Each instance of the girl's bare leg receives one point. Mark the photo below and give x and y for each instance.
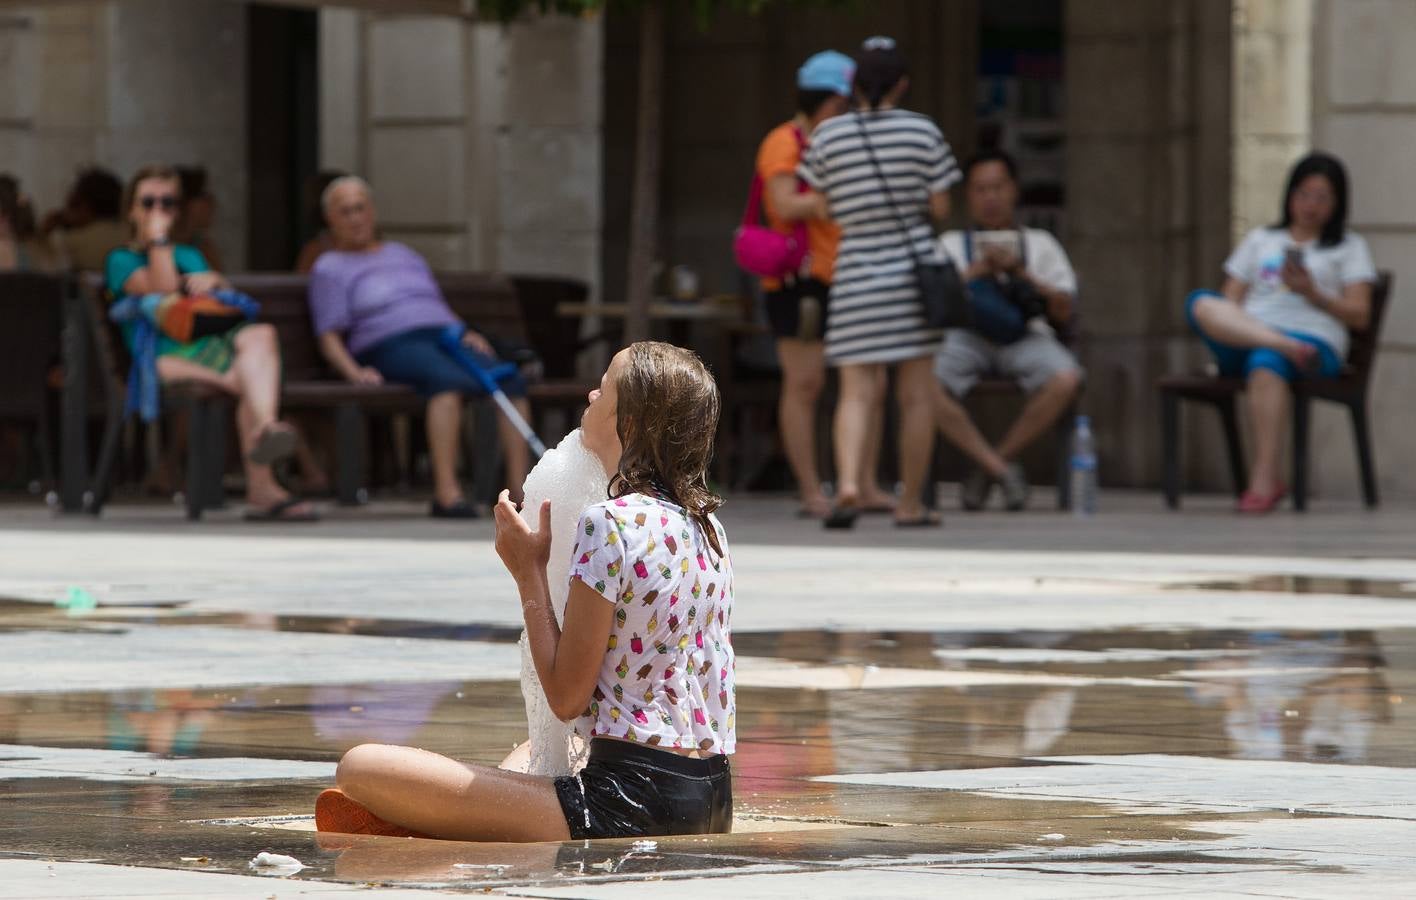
(441, 797)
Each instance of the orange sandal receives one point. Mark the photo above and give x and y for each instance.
(334, 811)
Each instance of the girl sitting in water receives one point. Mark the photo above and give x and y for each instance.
(643, 665)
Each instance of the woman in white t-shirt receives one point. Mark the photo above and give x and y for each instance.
(1292, 292)
(643, 666)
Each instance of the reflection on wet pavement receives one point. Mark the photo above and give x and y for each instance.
(1036, 753)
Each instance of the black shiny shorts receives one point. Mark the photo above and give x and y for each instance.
(629, 790)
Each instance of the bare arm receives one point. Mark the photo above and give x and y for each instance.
(1234, 290)
(567, 660)
(159, 276)
(792, 205)
(939, 207)
(339, 359)
(1353, 307)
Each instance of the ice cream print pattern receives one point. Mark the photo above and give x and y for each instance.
(668, 677)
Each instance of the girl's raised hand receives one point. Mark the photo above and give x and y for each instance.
(524, 552)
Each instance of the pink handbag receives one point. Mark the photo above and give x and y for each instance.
(763, 251)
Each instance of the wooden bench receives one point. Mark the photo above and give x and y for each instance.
(488, 302)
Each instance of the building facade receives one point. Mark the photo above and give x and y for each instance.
(1154, 133)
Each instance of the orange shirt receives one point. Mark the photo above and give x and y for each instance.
(779, 155)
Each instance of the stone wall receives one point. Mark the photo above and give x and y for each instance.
(482, 141)
(123, 84)
(1364, 110)
(1148, 91)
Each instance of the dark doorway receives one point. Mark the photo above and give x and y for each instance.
(282, 127)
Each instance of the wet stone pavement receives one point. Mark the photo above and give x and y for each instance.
(916, 719)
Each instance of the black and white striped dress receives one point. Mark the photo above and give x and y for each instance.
(875, 314)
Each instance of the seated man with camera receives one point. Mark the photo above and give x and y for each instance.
(1022, 290)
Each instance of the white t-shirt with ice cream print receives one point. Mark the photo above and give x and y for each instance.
(1258, 262)
(668, 678)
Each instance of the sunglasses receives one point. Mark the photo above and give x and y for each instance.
(167, 202)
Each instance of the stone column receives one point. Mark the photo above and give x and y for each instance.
(1147, 203)
(1364, 111)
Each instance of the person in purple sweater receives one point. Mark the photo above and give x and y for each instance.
(378, 313)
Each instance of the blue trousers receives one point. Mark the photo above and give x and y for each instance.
(417, 358)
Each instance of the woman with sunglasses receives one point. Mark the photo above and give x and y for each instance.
(244, 362)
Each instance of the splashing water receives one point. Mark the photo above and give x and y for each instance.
(572, 478)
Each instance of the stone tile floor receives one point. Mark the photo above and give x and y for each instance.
(1023, 706)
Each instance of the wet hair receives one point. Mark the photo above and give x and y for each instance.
(667, 420)
(1331, 168)
(991, 155)
(100, 191)
(158, 171)
(879, 67)
(810, 101)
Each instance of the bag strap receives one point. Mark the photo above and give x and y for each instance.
(754, 201)
(885, 186)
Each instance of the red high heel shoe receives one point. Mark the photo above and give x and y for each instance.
(1254, 503)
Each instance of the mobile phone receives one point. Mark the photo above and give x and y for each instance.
(1294, 256)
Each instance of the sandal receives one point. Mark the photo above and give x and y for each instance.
(842, 518)
(334, 811)
(460, 509)
(276, 442)
(282, 512)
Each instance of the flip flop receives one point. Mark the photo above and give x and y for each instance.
(459, 510)
(335, 812)
(275, 443)
(928, 520)
(277, 513)
(842, 518)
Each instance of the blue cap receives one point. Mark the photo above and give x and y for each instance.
(827, 71)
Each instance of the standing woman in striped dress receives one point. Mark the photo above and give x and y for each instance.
(884, 173)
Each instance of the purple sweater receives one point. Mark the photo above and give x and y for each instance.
(370, 297)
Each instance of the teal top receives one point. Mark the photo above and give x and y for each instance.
(124, 261)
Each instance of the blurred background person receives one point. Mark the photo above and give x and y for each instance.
(797, 305)
(885, 173)
(195, 223)
(90, 223)
(1292, 292)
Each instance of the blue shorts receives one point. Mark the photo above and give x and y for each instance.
(417, 358)
(1242, 361)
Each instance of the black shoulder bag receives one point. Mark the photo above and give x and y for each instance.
(941, 290)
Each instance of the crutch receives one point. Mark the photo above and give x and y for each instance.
(491, 379)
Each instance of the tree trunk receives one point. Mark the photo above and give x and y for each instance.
(644, 208)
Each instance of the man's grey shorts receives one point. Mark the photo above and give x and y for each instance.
(1031, 361)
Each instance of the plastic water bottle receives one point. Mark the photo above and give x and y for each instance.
(1083, 469)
